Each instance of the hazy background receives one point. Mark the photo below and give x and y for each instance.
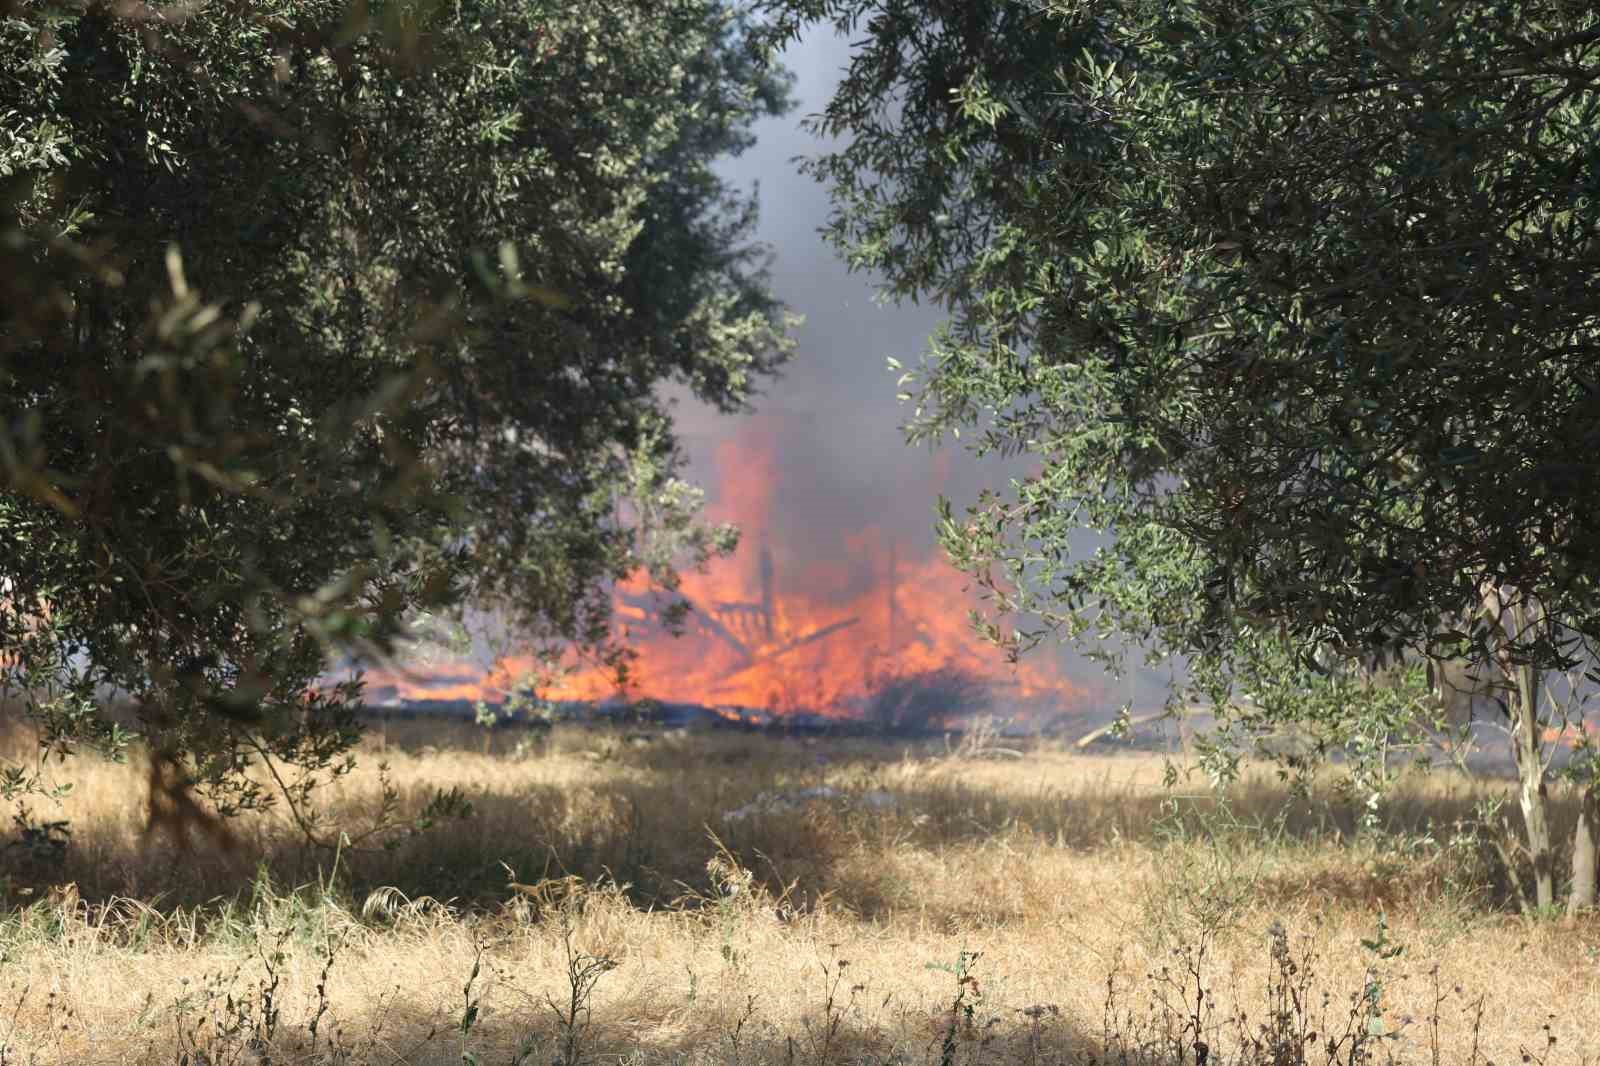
(832, 422)
(836, 511)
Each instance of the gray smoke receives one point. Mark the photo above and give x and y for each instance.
(833, 416)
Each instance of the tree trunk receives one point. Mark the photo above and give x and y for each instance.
(1532, 795)
(1527, 749)
(1586, 853)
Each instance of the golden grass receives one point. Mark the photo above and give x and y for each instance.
(815, 934)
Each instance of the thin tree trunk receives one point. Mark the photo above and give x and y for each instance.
(1532, 796)
(1527, 749)
(1586, 853)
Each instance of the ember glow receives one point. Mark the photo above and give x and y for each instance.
(783, 627)
(1573, 734)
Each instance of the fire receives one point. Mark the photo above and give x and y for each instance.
(772, 629)
(1573, 734)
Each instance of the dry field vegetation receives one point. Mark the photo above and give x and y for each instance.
(600, 905)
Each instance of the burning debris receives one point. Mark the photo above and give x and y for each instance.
(752, 630)
(867, 631)
(930, 700)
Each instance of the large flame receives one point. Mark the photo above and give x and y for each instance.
(775, 628)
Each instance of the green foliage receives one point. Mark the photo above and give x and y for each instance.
(315, 316)
(1297, 302)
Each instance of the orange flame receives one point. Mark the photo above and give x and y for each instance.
(1573, 735)
(770, 629)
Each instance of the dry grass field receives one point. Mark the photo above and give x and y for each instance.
(685, 900)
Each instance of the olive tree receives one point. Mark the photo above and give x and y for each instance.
(1298, 301)
(314, 315)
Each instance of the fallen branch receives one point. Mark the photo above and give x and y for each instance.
(1122, 723)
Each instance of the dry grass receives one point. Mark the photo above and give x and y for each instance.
(601, 906)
